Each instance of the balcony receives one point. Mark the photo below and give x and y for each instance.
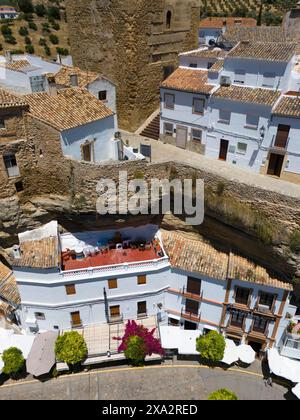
(190, 316)
(264, 310)
(278, 144)
(188, 295)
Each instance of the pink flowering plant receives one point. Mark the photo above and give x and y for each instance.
(140, 342)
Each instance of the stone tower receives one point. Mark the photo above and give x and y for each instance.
(291, 23)
(135, 43)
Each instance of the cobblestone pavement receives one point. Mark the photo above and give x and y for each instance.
(183, 381)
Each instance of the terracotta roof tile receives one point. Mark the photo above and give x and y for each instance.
(42, 253)
(188, 80)
(235, 34)
(217, 66)
(84, 77)
(8, 287)
(246, 94)
(197, 256)
(288, 106)
(9, 100)
(219, 22)
(71, 108)
(16, 65)
(268, 51)
(205, 53)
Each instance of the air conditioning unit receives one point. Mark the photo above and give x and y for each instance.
(263, 308)
(225, 81)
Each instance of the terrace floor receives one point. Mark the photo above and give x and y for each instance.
(112, 257)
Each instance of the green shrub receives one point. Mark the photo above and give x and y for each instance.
(27, 40)
(54, 39)
(223, 395)
(13, 361)
(53, 12)
(32, 26)
(136, 350)
(29, 49)
(10, 39)
(294, 241)
(55, 26)
(6, 30)
(62, 51)
(71, 348)
(211, 346)
(23, 31)
(46, 28)
(25, 6)
(47, 50)
(42, 42)
(221, 188)
(40, 10)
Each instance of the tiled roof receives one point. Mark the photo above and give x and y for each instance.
(242, 269)
(288, 106)
(197, 256)
(9, 100)
(188, 80)
(205, 53)
(235, 34)
(16, 65)
(219, 22)
(84, 77)
(217, 66)
(71, 108)
(249, 95)
(268, 51)
(42, 253)
(8, 287)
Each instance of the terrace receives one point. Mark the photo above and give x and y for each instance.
(109, 250)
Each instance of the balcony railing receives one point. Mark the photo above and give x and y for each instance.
(142, 315)
(275, 144)
(115, 319)
(190, 316)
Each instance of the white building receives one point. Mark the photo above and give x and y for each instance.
(240, 107)
(83, 279)
(8, 12)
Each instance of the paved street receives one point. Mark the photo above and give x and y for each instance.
(184, 381)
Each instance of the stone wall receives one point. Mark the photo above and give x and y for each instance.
(129, 42)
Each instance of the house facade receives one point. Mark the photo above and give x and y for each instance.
(71, 281)
(233, 107)
(8, 12)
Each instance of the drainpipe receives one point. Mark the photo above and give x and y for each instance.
(106, 305)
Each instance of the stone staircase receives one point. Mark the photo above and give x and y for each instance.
(152, 129)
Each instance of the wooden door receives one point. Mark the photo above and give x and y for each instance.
(275, 164)
(282, 136)
(192, 307)
(224, 145)
(194, 286)
(181, 137)
(87, 152)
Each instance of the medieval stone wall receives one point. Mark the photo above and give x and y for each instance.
(129, 42)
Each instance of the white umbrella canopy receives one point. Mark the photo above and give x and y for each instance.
(231, 354)
(296, 391)
(246, 354)
(42, 355)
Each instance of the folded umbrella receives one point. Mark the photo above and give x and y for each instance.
(42, 355)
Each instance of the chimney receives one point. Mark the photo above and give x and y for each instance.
(74, 80)
(52, 86)
(16, 252)
(8, 56)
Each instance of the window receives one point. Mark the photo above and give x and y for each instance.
(37, 84)
(168, 70)
(209, 65)
(75, 319)
(19, 186)
(40, 316)
(269, 80)
(242, 295)
(142, 308)
(260, 325)
(193, 65)
(198, 106)
(11, 165)
(169, 101)
(224, 116)
(266, 299)
(252, 121)
(114, 311)
(169, 19)
(142, 279)
(237, 319)
(196, 135)
(113, 284)
(168, 129)
(102, 95)
(239, 77)
(87, 151)
(70, 289)
(2, 123)
(241, 148)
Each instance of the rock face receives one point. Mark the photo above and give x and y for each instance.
(135, 44)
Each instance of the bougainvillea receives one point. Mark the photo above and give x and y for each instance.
(151, 344)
